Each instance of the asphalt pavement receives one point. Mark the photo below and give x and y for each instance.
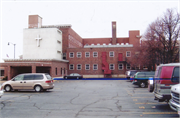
(85, 99)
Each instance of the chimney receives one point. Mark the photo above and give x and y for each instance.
(35, 21)
(114, 33)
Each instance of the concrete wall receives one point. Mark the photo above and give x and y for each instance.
(50, 44)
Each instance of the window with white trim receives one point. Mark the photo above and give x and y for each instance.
(71, 67)
(78, 54)
(111, 54)
(128, 53)
(87, 67)
(128, 66)
(78, 66)
(95, 67)
(87, 54)
(71, 54)
(120, 66)
(137, 67)
(111, 66)
(95, 54)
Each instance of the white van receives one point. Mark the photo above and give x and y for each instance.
(175, 98)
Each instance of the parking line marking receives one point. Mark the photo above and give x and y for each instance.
(150, 103)
(143, 93)
(7, 100)
(134, 99)
(142, 107)
(142, 97)
(159, 113)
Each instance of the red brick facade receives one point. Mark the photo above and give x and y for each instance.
(83, 60)
(116, 50)
(55, 68)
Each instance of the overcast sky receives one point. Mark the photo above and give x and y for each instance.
(90, 19)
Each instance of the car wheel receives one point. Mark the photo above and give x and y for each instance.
(7, 88)
(37, 88)
(142, 84)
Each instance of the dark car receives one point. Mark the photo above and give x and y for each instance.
(73, 76)
(130, 73)
(141, 78)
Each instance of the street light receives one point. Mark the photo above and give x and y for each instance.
(14, 47)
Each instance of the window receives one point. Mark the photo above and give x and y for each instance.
(120, 66)
(64, 55)
(128, 67)
(2, 73)
(141, 75)
(95, 67)
(71, 55)
(19, 78)
(48, 76)
(71, 67)
(95, 54)
(87, 67)
(111, 66)
(38, 77)
(78, 66)
(128, 54)
(137, 67)
(87, 54)
(56, 71)
(78, 54)
(175, 76)
(111, 54)
(28, 77)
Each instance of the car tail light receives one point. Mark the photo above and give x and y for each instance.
(49, 81)
(1, 88)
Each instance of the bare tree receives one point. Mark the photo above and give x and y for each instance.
(161, 41)
(165, 32)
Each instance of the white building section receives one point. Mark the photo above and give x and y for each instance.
(42, 43)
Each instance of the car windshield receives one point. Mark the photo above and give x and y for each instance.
(132, 73)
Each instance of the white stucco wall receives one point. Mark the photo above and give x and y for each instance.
(50, 44)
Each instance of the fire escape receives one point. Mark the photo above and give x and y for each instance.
(105, 65)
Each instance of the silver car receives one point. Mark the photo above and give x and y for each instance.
(29, 81)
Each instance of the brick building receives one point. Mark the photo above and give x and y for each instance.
(59, 50)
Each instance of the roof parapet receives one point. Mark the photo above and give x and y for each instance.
(57, 26)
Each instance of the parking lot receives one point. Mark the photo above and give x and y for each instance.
(85, 99)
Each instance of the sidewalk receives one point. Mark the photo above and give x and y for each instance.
(2, 81)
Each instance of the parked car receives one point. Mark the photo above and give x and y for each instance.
(36, 81)
(130, 73)
(1, 91)
(161, 83)
(174, 102)
(141, 78)
(73, 76)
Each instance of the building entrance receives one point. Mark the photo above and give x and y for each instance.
(43, 70)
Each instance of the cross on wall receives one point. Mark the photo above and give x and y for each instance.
(38, 40)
